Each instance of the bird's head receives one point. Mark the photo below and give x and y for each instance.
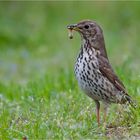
(88, 29)
(91, 32)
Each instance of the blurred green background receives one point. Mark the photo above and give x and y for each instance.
(34, 39)
(39, 95)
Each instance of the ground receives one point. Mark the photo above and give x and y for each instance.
(39, 95)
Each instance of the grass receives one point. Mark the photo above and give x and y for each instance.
(39, 96)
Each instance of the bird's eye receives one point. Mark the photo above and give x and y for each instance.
(86, 26)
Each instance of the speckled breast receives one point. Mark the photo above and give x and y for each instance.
(86, 68)
(91, 81)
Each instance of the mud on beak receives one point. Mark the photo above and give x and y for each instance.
(71, 28)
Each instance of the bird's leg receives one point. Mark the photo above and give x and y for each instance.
(105, 112)
(98, 111)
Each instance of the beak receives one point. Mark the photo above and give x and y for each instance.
(72, 27)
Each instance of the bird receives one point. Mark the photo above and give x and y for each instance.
(93, 70)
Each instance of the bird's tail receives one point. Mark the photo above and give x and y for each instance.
(130, 101)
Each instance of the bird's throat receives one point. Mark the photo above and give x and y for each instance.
(97, 45)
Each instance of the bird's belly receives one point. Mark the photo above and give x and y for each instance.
(89, 85)
(88, 77)
(92, 82)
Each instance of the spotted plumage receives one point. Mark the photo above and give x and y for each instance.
(92, 69)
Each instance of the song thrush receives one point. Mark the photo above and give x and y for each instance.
(92, 69)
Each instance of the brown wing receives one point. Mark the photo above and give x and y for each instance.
(106, 69)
